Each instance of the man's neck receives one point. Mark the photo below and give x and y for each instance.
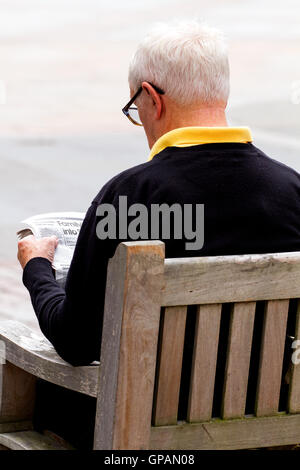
(210, 116)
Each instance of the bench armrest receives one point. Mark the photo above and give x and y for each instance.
(32, 352)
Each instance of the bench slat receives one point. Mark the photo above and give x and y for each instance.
(238, 360)
(170, 365)
(271, 359)
(239, 278)
(204, 362)
(243, 433)
(32, 352)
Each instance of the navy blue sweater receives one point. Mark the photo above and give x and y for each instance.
(252, 205)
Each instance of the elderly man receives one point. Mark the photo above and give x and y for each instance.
(179, 86)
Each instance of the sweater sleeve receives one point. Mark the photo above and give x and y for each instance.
(71, 318)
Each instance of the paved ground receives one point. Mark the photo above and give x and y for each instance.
(64, 65)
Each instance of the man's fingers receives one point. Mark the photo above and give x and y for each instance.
(25, 242)
(30, 247)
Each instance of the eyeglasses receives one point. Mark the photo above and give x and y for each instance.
(131, 111)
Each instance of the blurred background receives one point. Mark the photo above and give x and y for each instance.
(63, 82)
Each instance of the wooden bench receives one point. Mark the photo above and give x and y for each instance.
(149, 300)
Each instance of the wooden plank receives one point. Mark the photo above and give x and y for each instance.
(17, 394)
(16, 426)
(204, 362)
(246, 433)
(239, 278)
(271, 358)
(30, 440)
(294, 388)
(238, 359)
(31, 351)
(129, 346)
(170, 365)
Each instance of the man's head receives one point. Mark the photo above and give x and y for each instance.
(189, 62)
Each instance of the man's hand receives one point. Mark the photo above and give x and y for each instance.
(31, 247)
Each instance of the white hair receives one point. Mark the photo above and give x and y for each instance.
(188, 60)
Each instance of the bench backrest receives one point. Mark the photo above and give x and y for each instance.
(231, 300)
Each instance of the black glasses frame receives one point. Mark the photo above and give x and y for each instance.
(126, 108)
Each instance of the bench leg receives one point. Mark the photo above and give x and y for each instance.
(17, 395)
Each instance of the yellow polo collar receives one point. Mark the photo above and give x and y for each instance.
(189, 136)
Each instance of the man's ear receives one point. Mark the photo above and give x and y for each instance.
(156, 99)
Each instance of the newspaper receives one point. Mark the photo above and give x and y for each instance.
(65, 226)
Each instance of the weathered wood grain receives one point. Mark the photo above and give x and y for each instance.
(170, 365)
(29, 440)
(238, 359)
(33, 353)
(239, 278)
(246, 433)
(204, 362)
(129, 346)
(272, 349)
(17, 394)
